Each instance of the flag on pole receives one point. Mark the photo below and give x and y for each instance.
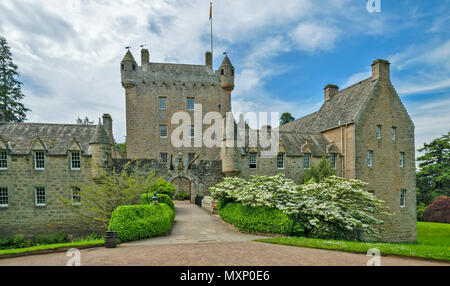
(210, 11)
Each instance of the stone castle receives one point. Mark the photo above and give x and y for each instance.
(364, 130)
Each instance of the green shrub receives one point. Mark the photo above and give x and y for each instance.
(162, 187)
(20, 242)
(141, 221)
(5, 242)
(147, 199)
(223, 202)
(59, 237)
(420, 209)
(182, 196)
(256, 219)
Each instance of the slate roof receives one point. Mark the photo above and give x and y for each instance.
(341, 108)
(56, 137)
(293, 142)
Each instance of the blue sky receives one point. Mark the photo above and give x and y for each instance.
(69, 51)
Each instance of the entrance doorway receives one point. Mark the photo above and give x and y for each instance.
(182, 185)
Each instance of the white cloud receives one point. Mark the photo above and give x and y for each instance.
(311, 37)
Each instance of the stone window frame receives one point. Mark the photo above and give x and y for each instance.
(378, 131)
(72, 161)
(369, 158)
(3, 160)
(75, 196)
(162, 155)
(333, 159)
(37, 160)
(164, 106)
(394, 133)
(252, 160)
(161, 131)
(402, 159)
(39, 195)
(402, 198)
(280, 161)
(4, 197)
(191, 132)
(190, 107)
(307, 163)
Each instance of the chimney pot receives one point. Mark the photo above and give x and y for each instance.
(107, 124)
(330, 91)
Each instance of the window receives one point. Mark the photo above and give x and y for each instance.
(333, 161)
(39, 193)
(75, 160)
(306, 161)
(191, 156)
(39, 160)
(378, 131)
(190, 103)
(164, 157)
(3, 197)
(163, 131)
(280, 161)
(402, 159)
(162, 103)
(76, 196)
(252, 161)
(394, 133)
(372, 192)
(402, 198)
(222, 72)
(191, 131)
(3, 160)
(370, 158)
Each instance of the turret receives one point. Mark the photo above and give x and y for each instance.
(227, 74)
(229, 152)
(128, 68)
(100, 148)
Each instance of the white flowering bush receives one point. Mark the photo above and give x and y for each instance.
(333, 208)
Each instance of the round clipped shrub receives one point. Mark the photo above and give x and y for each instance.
(161, 186)
(438, 210)
(141, 221)
(147, 199)
(256, 219)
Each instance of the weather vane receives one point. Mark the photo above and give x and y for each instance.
(128, 48)
(224, 53)
(143, 45)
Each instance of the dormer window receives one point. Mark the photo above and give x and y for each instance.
(75, 160)
(3, 160)
(39, 160)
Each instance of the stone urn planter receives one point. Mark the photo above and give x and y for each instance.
(111, 239)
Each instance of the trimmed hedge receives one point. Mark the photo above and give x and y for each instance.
(256, 219)
(162, 187)
(141, 221)
(147, 199)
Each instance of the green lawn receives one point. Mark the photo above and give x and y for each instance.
(52, 246)
(433, 241)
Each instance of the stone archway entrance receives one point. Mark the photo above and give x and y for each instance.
(182, 184)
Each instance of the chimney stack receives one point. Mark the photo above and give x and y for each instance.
(381, 70)
(145, 58)
(107, 124)
(330, 91)
(208, 60)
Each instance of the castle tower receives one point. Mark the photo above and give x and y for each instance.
(229, 153)
(157, 91)
(100, 147)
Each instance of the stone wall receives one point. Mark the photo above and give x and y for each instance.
(22, 216)
(386, 178)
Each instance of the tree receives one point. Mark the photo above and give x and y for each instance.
(318, 172)
(438, 211)
(84, 121)
(108, 191)
(286, 118)
(433, 179)
(10, 87)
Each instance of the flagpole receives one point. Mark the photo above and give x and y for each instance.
(210, 17)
